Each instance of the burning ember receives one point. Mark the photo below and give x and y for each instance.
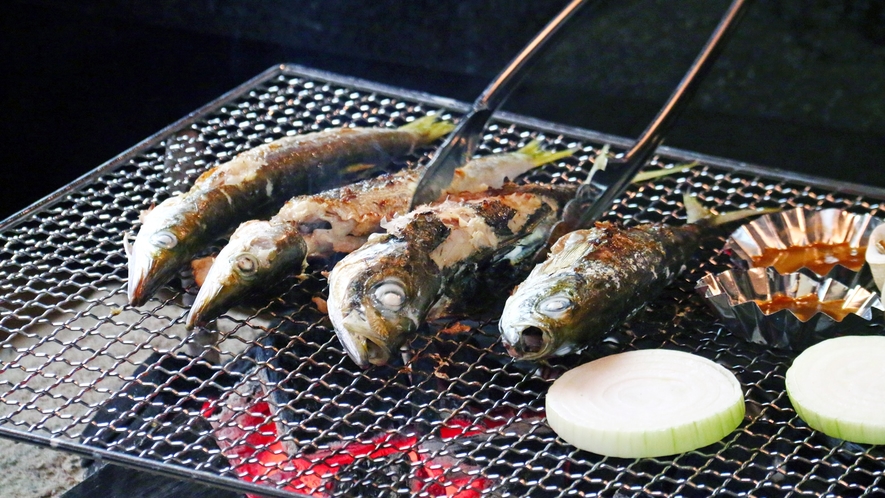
(249, 438)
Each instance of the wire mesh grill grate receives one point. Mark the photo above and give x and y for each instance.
(276, 402)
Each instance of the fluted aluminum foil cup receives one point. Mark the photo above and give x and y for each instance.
(803, 228)
(875, 257)
(735, 295)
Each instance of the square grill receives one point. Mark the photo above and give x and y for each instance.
(275, 406)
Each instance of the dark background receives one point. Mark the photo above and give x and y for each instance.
(801, 87)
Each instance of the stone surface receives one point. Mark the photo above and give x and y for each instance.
(28, 471)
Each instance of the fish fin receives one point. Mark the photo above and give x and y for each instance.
(127, 245)
(697, 212)
(430, 126)
(694, 209)
(599, 163)
(304, 266)
(657, 173)
(540, 156)
(441, 309)
(740, 214)
(358, 168)
(144, 212)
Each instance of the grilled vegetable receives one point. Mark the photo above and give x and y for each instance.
(646, 403)
(174, 231)
(595, 279)
(261, 253)
(433, 257)
(836, 387)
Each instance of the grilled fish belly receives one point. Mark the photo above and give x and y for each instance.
(341, 219)
(334, 221)
(261, 253)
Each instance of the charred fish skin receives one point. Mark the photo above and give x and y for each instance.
(235, 191)
(339, 220)
(277, 248)
(377, 294)
(382, 293)
(592, 281)
(221, 291)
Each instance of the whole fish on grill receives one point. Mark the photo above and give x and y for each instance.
(179, 227)
(434, 257)
(595, 279)
(263, 252)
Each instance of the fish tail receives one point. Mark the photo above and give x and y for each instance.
(431, 127)
(657, 173)
(357, 168)
(697, 212)
(540, 156)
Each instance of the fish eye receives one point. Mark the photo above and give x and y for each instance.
(555, 306)
(245, 264)
(164, 239)
(390, 295)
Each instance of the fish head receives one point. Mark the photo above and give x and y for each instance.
(258, 255)
(157, 253)
(378, 296)
(540, 316)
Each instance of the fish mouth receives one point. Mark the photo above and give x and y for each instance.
(364, 346)
(210, 303)
(369, 350)
(148, 271)
(143, 281)
(527, 341)
(376, 352)
(136, 290)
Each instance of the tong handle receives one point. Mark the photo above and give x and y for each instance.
(463, 141)
(591, 210)
(498, 90)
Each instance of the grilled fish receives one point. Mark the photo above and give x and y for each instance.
(433, 257)
(175, 230)
(340, 220)
(595, 279)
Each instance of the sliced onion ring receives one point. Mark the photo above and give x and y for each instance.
(838, 387)
(645, 404)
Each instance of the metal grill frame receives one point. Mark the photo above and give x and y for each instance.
(766, 182)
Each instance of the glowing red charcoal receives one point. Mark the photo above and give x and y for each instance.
(248, 437)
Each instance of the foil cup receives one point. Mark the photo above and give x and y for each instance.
(803, 227)
(875, 257)
(733, 295)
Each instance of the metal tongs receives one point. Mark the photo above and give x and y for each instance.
(464, 139)
(592, 199)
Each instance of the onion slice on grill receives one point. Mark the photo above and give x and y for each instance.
(645, 403)
(838, 387)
